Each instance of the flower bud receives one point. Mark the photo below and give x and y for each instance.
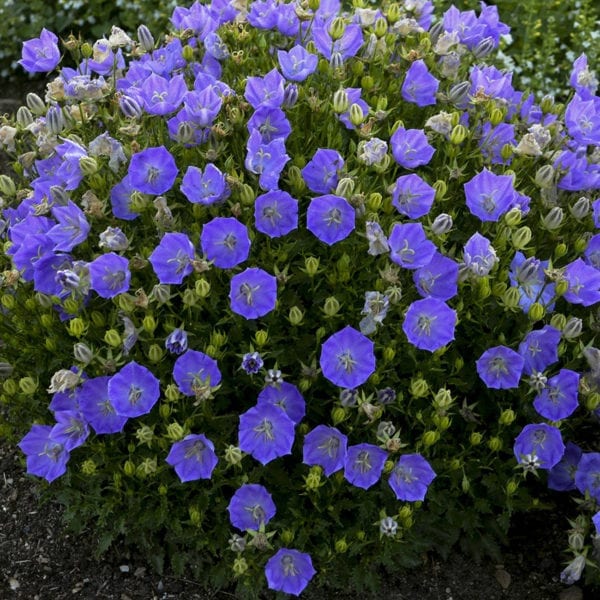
(24, 117)
(145, 38)
(311, 265)
(442, 399)
(165, 410)
(55, 120)
(440, 188)
(544, 176)
(130, 107)
(507, 417)
(536, 312)
(483, 287)
(88, 467)
(8, 301)
(9, 387)
(561, 287)
(513, 217)
(458, 135)
(261, 337)
(247, 195)
(147, 467)
(580, 244)
(295, 316)
(388, 354)
(464, 484)
(592, 401)
(576, 541)
(82, 353)
(77, 327)
(357, 116)
(345, 187)
(338, 414)
(50, 344)
(86, 50)
(496, 116)
(341, 546)
(553, 219)
(175, 431)
(475, 438)
(240, 566)
(341, 102)
(112, 338)
(547, 103)
(202, 288)
(155, 353)
(511, 298)
(7, 186)
(172, 393)
(458, 92)
(558, 321)
(442, 422)
(430, 438)
(511, 487)
(419, 388)
(521, 237)
(233, 455)
(28, 385)
(35, 103)
(195, 515)
(313, 479)
(442, 224)
(581, 208)
(290, 95)
(495, 444)
(129, 468)
(331, 306)
(573, 328)
(144, 434)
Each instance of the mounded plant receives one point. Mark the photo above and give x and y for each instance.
(301, 285)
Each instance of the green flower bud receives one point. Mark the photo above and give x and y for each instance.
(495, 444)
(195, 515)
(129, 468)
(24, 117)
(296, 180)
(77, 327)
(388, 354)
(442, 422)
(331, 306)
(580, 244)
(338, 414)
(536, 312)
(28, 385)
(581, 208)
(112, 338)
(430, 438)
(189, 297)
(187, 53)
(442, 399)
(440, 188)
(572, 328)
(88, 467)
(560, 250)
(374, 201)
(513, 217)
(544, 177)
(88, 165)
(511, 487)
(211, 350)
(558, 321)
(511, 298)
(247, 195)
(287, 536)
(458, 135)
(475, 438)
(261, 337)
(240, 566)
(126, 302)
(7, 186)
(314, 4)
(147, 467)
(218, 338)
(233, 455)
(149, 324)
(357, 67)
(50, 344)
(311, 266)
(295, 316)
(454, 464)
(367, 83)
(592, 401)
(341, 102)
(36, 104)
(337, 28)
(175, 431)
(345, 187)
(360, 535)
(82, 353)
(46, 320)
(496, 116)
(155, 353)
(521, 237)
(553, 220)
(561, 287)
(144, 434)
(506, 151)
(313, 480)
(419, 388)
(357, 116)
(71, 306)
(172, 393)
(10, 387)
(484, 288)
(465, 485)
(341, 546)
(8, 301)
(507, 417)
(576, 541)
(164, 410)
(202, 288)
(547, 103)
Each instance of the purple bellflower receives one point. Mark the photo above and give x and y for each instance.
(558, 399)
(46, 457)
(297, 64)
(152, 171)
(325, 446)
(411, 477)
(287, 397)
(177, 341)
(193, 457)
(250, 507)
(289, 571)
(71, 429)
(500, 368)
(96, 407)
(587, 476)
(409, 246)
(539, 446)
(364, 465)
(265, 160)
(109, 275)
(133, 390)
(561, 477)
(253, 293)
(438, 278)
(330, 218)
(204, 187)
(275, 213)
(172, 258)
(539, 349)
(584, 283)
(195, 371)
(429, 324)
(489, 196)
(420, 86)
(321, 173)
(225, 242)
(410, 148)
(40, 55)
(266, 432)
(412, 196)
(479, 256)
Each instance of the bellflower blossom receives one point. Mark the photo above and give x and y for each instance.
(345, 47)
(270, 122)
(539, 349)
(582, 79)
(438, 278)
(265, 160)
(204, 187)
(347, 358)
(109, 275)
(410, 148)
(412, 196)
(133, 390)
(177, 341)
(287, 397)
(584, 283)
(162, 95)
(409, 245)
(375, 309)
(252, 363)
(321, 173)
(172, 258)
(326, 447)
(378, 243)
(558, 399)
(71, 429)
(152, 171)
(96, 407)
(225, 242)
(561, 477)
(330, 218)
(250, 507)
(289, 571)
(297, 63)
(72, 227)
(266, 432)
(539, 444)
(364, 465)
(195, 371)
(193, 457)
(372, 151)
(500, 368)
(40, 55)
(253, 293)
(411, 477)
(275, 213)
(489, 196)
(479, 257)
(120, 200)
(528, 275)
(429, 324)
(587, 476)
(113, 238)
(420, 86)
(45, 456)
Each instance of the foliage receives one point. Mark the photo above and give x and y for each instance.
(290, 288)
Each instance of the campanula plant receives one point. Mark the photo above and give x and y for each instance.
(294, 284)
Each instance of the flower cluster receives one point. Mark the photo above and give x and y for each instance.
(269, 253)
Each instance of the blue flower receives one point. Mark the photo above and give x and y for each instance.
(72, 227)
(266, 432)
(225, 242)
(412, 196)
(420, 86)
(489, 196)
(270, 122)
(177, 341)
(411, 477)
(410, 148)
(539, 445)
(438, 278)
(330, 218)
(252, 363)
(133, 390)
(326, 447)
(409, 245)
(265, 91)
(194, 371)
(347, 358)
(479, 256)
(289, 571)
(162, 95)
(500, 368)
(561, 477)
(193, 457)
(364, 465)
(71, 429)
(253, 293)
(584, 283)
(40, 55)
(172, 258)
(558, 399)
(321, 173)
(296, 64)
(46, 457)
(287, 397)
(539, 349)
(265, 160)
(96, 407)
(275, 213)
(250, 507)
(204, 187)
(587, 476)
(152, 171)
(429, 324)
(109, 275)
